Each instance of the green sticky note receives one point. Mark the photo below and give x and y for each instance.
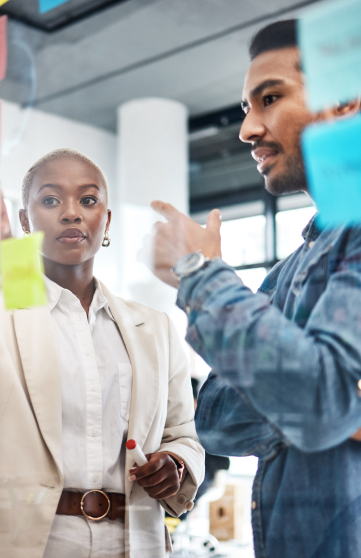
(22, 272)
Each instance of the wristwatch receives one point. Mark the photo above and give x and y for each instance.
(189, 264)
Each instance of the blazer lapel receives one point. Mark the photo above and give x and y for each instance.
(143, 354)
(38, 352)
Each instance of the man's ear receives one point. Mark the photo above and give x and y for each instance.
(344, 110)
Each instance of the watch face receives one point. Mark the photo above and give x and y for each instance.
(193, 260)
(189, 263)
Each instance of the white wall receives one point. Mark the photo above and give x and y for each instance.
(44, 132)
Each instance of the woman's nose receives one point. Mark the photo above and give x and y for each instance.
(71, 214)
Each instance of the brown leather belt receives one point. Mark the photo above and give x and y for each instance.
(94, 504)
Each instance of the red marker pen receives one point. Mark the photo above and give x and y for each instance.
(136, 453)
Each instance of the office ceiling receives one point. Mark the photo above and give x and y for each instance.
(194, 51)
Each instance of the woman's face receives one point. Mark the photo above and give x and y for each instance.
(68, 202)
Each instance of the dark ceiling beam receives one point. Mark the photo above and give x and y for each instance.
(218, 118)
(224, 198)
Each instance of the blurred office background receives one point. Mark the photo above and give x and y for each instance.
(150, 90)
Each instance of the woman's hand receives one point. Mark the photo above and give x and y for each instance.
(159, 477)
(5, 223)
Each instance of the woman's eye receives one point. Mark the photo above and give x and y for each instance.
(269, 99)
(51, 201)
(88, 200)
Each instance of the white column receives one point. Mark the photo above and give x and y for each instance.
(152, 164)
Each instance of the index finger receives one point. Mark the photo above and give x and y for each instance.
(148, 469)
(166, 209)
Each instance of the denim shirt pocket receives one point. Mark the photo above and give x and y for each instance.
(125, 384)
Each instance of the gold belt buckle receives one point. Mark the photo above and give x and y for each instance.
(82, 502)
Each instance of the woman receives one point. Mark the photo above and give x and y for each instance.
(80, 377)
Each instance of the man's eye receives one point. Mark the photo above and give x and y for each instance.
(51, 201)
(269, 99)
(245, 108)
(88, 200)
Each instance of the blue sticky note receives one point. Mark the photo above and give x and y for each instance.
(46, 5)
(332, 157)
(329, 37)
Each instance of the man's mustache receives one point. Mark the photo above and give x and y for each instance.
(270, 144)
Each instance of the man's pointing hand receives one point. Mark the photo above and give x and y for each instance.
(176, 238)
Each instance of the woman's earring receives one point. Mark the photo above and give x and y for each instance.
(106, 241)
(26, 233)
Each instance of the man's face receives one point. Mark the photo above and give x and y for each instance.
(274, 103)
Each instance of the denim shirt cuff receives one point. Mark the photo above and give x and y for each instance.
(194, 290)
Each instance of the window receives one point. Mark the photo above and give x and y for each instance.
(289, 226)
(253, 278)
(243, 240)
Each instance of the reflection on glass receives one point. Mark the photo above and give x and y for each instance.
(289, 226)
(243, 240)
(253, 278)
(8, 204)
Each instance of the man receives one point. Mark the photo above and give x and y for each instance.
(287, 360)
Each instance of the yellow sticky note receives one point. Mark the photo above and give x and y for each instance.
(22, 268)
(3, 2)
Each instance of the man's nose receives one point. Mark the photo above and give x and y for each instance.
(71, 213)
(252, 128)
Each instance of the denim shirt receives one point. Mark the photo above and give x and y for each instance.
(285, 387)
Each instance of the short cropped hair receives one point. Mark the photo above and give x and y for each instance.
(281, 34)
(62, 153)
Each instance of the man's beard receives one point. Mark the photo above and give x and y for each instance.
(292, 180)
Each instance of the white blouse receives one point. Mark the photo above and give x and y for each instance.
(96, 379)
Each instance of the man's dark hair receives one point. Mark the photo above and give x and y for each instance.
(281, 34)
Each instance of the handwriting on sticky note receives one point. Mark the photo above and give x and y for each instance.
(21, 268)
(329, 37)
(3, 46)
(332, 157)
(47, 5)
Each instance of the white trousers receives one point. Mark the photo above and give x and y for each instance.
(77, 537)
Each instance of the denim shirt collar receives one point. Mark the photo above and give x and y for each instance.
(311, 230)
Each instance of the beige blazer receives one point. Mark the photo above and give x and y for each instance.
(161, 418)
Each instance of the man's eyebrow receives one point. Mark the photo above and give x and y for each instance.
(57, 187)
(259, 89)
